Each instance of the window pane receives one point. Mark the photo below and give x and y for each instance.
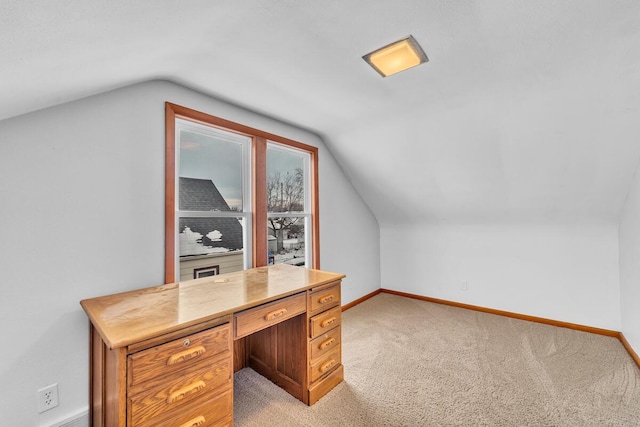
(210, 170)
(209, 242)
(286, 179)
(286, 240)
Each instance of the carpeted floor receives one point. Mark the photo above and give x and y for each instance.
(414, 363)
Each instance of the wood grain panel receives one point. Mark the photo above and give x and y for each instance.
(96, 377)
(262, 347)
(324, 386)
(324, 344)
(170, 195)
(240, 354)
(325, 364)
(215, 409)
(130, 317)
(324, 299)
(114, 386)
(165, 338)
(259, 197)
(179, 390)
(176, 355)
(324, 322)
(256, 319)
(279, 354)
(291, 349)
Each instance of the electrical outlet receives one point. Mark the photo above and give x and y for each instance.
(464, 285)
(48, 398)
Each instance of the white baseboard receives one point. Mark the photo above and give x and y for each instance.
(80, 419)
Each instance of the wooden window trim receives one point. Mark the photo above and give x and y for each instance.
(259, 193)
(258, 184)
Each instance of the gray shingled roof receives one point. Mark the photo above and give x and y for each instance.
(202, 195)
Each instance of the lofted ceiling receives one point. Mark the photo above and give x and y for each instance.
(526, 111)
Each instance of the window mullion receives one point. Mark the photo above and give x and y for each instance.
(259, 201)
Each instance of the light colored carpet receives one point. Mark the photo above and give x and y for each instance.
(414, 363)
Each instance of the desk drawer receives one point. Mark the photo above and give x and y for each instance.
(325, 343)
(324, 299)
(180, 390)
(179, 354)
(261, 317)
(214, 409)
(324, 322)
(326, 364)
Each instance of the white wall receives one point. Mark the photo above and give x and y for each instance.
(562, 272)
(630, 266)
(82, 215)
(349, 233)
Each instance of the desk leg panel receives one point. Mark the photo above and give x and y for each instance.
(240, 354)
(279, 354)
(324, 386)
(108, 383)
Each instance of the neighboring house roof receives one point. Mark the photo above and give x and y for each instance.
(202, 195)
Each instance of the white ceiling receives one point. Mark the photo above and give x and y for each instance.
(527, 110)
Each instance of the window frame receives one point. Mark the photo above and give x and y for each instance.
(305, 214)
(211, 268)
(259, 140)
(243, 215)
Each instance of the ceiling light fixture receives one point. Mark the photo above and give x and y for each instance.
(396, 57)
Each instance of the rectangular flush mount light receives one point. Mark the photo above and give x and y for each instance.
(396, 57)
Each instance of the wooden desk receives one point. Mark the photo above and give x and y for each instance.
(165, 356)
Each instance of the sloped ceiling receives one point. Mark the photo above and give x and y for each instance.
(527, 110)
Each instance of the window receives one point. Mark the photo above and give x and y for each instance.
(236, 197)
(214, 204)
(288, 205)
(212, 270)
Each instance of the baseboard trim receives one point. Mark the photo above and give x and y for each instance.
(551, 322)
(606, 332)
(629, 349)
(362, 299)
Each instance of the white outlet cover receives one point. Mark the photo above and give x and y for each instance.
(48, 398)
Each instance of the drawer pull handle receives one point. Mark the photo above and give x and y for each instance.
(196, 422)
(325, 299)
(330, 364)
(328, 322)
(275, 314)
(325, 344)
(183, 356)
(184, 392)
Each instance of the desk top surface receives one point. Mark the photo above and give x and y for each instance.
(130, 317)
